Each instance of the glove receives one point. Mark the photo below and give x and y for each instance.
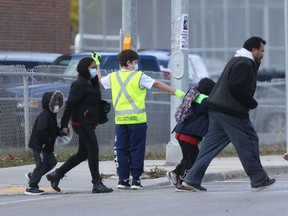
(179, 93)
(107, 108)
(96, 57)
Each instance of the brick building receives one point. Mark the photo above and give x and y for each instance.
(33, 25)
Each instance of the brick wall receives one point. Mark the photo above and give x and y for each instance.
(33, 25)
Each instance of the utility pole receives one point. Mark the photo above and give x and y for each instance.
(128, 35)
(286, 64)
(179, 68)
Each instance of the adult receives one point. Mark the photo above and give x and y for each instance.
(229, 104)
(82, 107)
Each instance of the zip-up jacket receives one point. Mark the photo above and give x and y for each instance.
(83, 102)
(234, 91)
(45, 129)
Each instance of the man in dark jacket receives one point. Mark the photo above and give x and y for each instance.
(229, 104)
(42, 140)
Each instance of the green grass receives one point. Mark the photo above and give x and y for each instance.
(18, 157)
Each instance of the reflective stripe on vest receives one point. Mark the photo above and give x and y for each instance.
(200, 97)
(128, 101)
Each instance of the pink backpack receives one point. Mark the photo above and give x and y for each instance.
(184, 110)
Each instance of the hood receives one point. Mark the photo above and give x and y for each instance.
(49, 99)
(244, 53)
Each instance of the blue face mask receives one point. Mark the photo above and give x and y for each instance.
(93, 72)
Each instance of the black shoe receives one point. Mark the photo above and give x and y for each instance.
(136, 185)
(33, 191)
(123, 184)
(265, 185)
(99, 187)
(54, 179)
(196, 188)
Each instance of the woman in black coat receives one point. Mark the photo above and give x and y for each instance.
(82, 107)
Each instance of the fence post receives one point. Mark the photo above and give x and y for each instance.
(26, 110)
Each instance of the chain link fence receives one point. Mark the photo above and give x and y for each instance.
(20, 102)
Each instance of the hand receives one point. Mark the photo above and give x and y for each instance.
(64, 131)
(96, 57)
(179, 93)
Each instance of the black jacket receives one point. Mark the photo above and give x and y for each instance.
(82, 105)
(197, 125)
(45, 129)
(234, 90)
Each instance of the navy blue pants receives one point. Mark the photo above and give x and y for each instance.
(44, 163)
(129, 150)
(222, 130)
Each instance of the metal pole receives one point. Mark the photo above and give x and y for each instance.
(179, 68)
(26, 110)
(286, 64)
(80, 21)
(129, 20)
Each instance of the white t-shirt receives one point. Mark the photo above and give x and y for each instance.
(145, 82)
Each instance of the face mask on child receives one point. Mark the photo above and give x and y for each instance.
(93, 73)
(56, 109)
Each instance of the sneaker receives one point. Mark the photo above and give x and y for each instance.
(136, 185)
(28, 175)
(179, 187)
(195, 188)
(33, 191)
(172, 177)
(123, 184)
(285, 156)
(269, 183)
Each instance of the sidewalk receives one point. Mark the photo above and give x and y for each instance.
(13, 181)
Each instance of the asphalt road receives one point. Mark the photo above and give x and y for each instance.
(232, 197)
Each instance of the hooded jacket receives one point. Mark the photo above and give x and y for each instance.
(234, 90)
(83, 103)
(45, 129)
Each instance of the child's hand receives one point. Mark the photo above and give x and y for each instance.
(64, 131)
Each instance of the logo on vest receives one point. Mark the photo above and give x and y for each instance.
(127, 118)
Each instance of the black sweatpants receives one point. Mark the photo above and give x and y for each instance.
(189, 155)
(88, 148)
(44, 163)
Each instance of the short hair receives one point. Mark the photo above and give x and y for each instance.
(127, 55)
(82, 67)
(253, 42)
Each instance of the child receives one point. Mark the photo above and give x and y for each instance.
(190, 132)
(42, 140)
(128, 87)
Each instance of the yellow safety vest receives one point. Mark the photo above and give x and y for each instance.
(127, 97)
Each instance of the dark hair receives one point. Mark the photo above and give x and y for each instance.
(205, 86)
(127, 55)
(253, 42)
(82, 67)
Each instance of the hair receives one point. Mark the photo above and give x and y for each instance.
(82, 67)
(253, 42)
(127, 55)
(205, 86)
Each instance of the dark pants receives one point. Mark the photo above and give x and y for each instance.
(129, 150)
(88, 148)
(44, 163)
(222, 130)
(189, 155)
